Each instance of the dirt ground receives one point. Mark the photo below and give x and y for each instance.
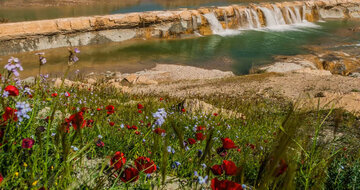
(306, 88)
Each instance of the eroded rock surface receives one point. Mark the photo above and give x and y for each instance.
(45, 34)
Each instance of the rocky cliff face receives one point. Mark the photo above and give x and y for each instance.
(45, 34)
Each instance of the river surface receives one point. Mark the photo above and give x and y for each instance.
(26, 10)
(238, 53)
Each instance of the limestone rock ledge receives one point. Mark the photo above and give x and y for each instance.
(45, 34)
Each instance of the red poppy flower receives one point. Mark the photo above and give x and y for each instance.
(54, 94)
(110, 109)
(67, 94)
(98, 109)
(251, 146)
(1, 178)
(282, 167)
(224, 185)
(100, 143)
(130, 175)
(228, 143)
(118, 160)
(217, 169)
(111, 123)
(215, 114)
(27, 143)
(200, 136)
(200, 128)
(139, 111)
(161, 99)
(145, 164)
(159, 131)
(12, 90)
(139, 106)
(134, 127)
(84, 109)
(229, 167)
(191, 141)
(77, 120)
(137, 132)
(10, 113)
(89, 123)
(183, 110)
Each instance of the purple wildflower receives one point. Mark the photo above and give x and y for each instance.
(42, 59)
(13, 66)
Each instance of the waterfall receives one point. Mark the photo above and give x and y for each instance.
(298, 15)
(303, 16)
(292, 15)
(237, 15)
(215, 25)
(194, 22)
(225, 19)
(256, 16)
(276, 18)
(249, 18)
(278, 15)
(269, 17)
(287, 15)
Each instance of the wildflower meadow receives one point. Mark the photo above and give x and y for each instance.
(96, 137)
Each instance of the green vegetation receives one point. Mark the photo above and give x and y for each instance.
(96, 137)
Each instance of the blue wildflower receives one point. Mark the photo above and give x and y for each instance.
(160, 116)
(170, 150)
(200, 153)
(202, 180)
(5, 94)
(23, 110)
(176, 164)
(74, 148)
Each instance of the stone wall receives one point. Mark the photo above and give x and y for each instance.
(45, 34)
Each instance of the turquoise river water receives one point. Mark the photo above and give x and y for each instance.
(238, 53)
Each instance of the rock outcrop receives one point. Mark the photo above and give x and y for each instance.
(320, 61)
(45, 34)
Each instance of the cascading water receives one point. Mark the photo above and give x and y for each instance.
(249, 18)
(256, 17)
(278, 15)
(303, 16)
(216, 26)
(269, 17)
(298, 15)
(226, 19)
(287, 16)
(276, 18)
(194, 22)
(292, 15)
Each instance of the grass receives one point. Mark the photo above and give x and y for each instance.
(278, 145)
